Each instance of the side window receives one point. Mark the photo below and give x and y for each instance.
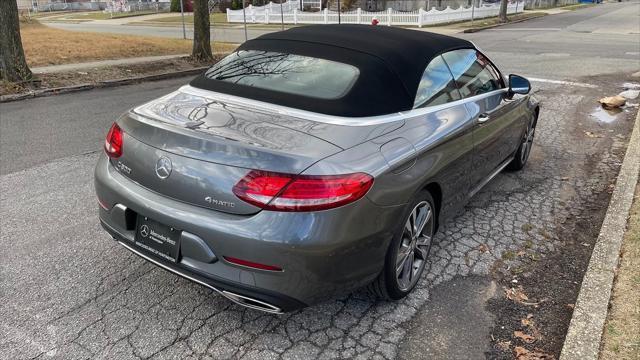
(473, 72)
(436, 85)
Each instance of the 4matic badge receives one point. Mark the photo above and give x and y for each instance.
(217, 202)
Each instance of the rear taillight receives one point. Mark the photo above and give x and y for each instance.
(113, 142)
(286, 192)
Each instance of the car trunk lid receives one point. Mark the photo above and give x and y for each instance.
(196, 154)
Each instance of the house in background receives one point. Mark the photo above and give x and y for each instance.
(27, 4)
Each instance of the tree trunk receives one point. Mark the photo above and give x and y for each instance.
(13, 66)
(503, 11)
(201, 31)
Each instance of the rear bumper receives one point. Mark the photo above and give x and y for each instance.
(259, 299)
(322, 254)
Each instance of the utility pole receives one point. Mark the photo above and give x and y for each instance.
(244, 17)
(338, 11)
(184, 31)
(281, 15)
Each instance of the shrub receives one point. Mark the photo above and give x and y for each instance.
(175, 6)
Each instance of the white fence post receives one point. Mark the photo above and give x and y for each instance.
(420, 11)
(295, 16)
(326, 15)
(266, 16)
(389, 16)
(359, 15)
(228, 20)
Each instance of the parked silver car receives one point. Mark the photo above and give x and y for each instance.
(312, 161)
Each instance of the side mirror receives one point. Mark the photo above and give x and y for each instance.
(519, 85)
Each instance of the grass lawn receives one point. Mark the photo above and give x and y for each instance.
(215, 18)
(47, 46)
(621, 338)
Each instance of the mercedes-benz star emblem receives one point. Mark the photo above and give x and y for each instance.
(144, 230)
(163, 167)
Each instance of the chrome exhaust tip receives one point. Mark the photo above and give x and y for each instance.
(251, 303)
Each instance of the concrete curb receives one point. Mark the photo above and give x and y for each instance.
(590, 313)
(473, 30)
(100, 84)
(51, 69)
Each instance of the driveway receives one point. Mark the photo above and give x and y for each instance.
(69, 291)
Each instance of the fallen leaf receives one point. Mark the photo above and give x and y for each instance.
(571, 306)
(521, 253)
(592, 134)
(520, 352)
(503, 345)
(516, 294)
(483, 248)
(523, 354)
(525, 337)
(526, 322)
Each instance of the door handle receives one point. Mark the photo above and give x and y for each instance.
(483, 118)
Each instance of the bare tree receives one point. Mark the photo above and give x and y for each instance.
(503, 11)
(13, 65)
(201, 31)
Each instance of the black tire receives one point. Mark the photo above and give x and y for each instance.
(387, 285)
(524, 149)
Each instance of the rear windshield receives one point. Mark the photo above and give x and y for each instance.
(287, 73)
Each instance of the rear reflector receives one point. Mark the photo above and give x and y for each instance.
(103, 204)
(251, 264)
(286, 192)
(113, 142)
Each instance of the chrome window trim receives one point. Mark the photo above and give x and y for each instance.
(327, 119)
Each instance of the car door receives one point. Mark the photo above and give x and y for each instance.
(443, 135)
(496, 128)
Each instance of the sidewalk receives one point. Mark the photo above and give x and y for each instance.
(101, 63)
(127, 20)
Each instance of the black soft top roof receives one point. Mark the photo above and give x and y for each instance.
(391, 62)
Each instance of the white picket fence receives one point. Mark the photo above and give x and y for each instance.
(270, 14)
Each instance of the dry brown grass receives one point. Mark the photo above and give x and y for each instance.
(621, 338)
(48, 46)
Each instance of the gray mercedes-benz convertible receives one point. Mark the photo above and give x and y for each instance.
(312, 161)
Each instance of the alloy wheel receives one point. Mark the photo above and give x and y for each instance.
(414, 246)
(527, 142)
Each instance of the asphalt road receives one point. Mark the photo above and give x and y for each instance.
(68, 291)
